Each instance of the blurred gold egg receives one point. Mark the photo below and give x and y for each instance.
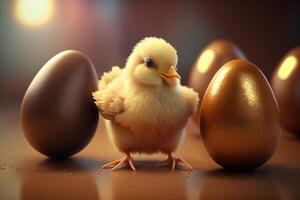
(239, 117)
(208, 63)
(286, 86)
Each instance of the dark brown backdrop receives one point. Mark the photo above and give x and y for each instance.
(107, 30)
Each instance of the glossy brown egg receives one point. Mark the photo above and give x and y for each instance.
(240, 117)
(286, 86)
(58, 115)
(209, 61)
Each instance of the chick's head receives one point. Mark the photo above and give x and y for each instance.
(153, 62)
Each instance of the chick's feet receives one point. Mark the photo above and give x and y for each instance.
(114, 165)
(173, 161)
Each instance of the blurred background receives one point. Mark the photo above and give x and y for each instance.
(32, 31)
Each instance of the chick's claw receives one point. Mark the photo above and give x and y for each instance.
(118, 163)
(173, 161)
(111, 164)
(181, 160)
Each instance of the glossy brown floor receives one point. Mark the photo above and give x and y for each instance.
(26, 174)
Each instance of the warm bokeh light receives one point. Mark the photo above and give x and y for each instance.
(287, 67)
(34, 12)
(205, 60)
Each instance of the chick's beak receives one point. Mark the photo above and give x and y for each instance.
(170, 75)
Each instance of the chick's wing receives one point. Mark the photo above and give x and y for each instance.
(191, 98)
(107, 98)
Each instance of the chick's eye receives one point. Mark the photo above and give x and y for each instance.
(149, 62)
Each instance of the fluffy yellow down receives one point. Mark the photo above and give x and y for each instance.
(144, 115)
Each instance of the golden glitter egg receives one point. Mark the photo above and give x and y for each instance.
(286, 86)
(239, 117)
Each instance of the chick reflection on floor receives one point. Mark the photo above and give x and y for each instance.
(150, 184)
(52, 180)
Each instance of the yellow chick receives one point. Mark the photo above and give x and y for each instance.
(144, 104)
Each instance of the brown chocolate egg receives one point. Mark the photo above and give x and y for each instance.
(286, 86)
(58, 115)
(239, 117)
(209, 61)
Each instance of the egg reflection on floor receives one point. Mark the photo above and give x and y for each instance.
(207, 64)
(286, 86)
(239, 117)
(53, 180)
(220, 184)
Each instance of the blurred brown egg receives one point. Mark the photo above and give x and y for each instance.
(286, 86)
(240, 117)
(209, 61)
(58, 115)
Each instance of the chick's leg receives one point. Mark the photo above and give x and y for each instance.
(116, 164)
(171, 160)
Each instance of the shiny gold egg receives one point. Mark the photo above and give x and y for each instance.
(239, 117)
(286, 86)
(209, 61)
